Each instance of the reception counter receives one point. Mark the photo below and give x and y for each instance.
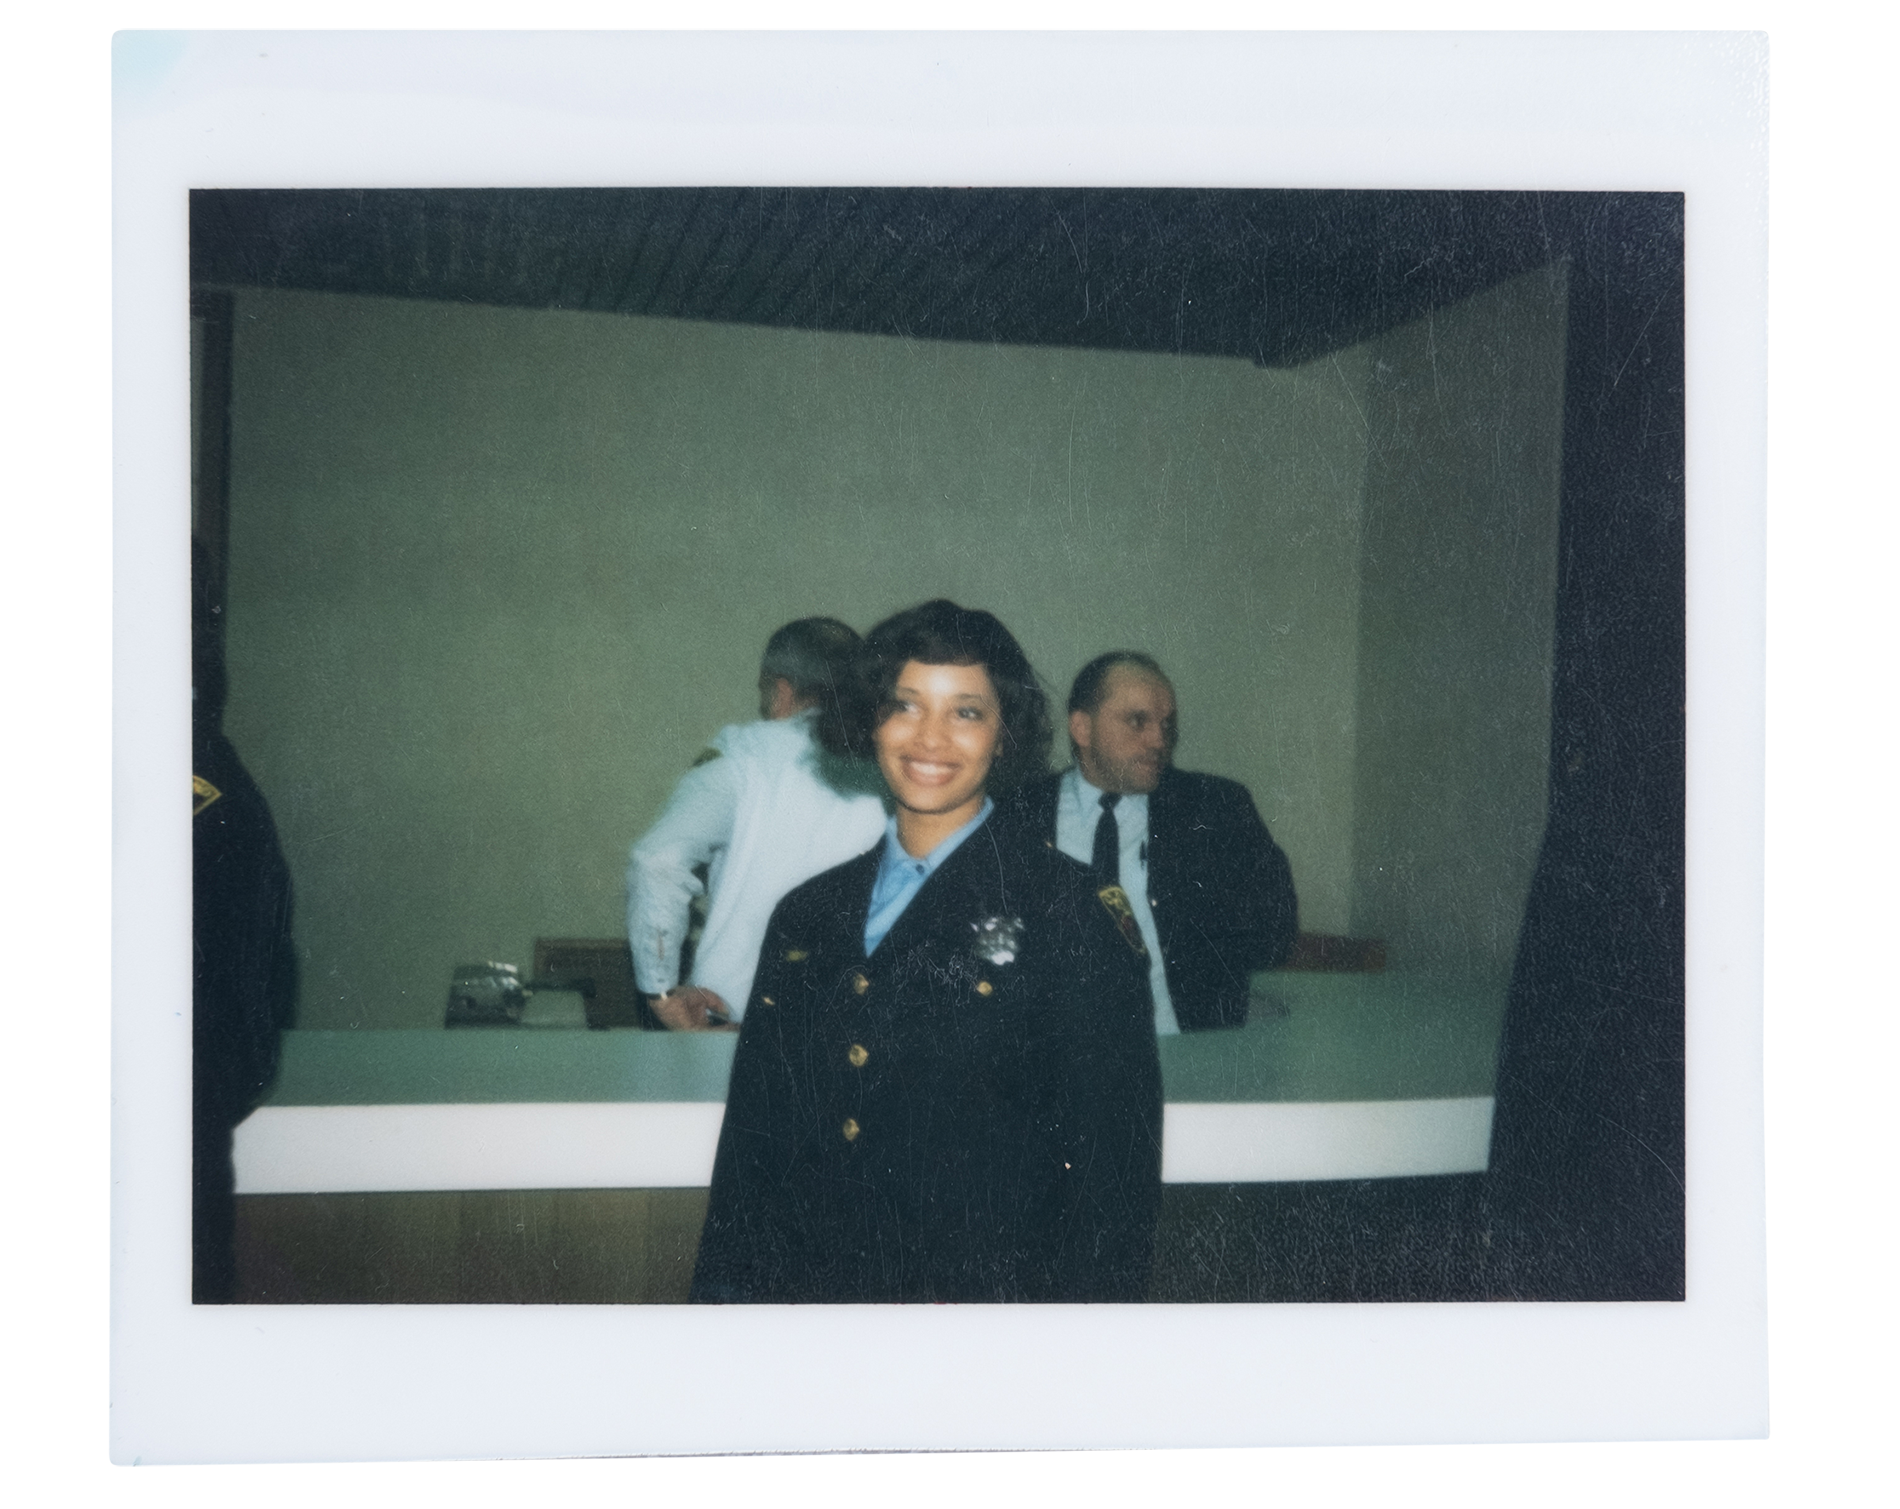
(1335, 1077)
(561, 1166)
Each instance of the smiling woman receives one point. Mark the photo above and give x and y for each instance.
(935, 748)
(946, 1087)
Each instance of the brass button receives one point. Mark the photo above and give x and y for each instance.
(859, 983)
(850, 1130)
(768, 1001)
(983, 987)
(797, 955)
(857, 1055)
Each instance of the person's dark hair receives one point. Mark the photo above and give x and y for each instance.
(1091, 682)
(813, 654)
(941, 633)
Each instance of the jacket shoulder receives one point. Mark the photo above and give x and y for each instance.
(1042, 789)
(823, 893)
(1193, 788)
(763, 738)
(1020, 833)
(1029, 862)
(1030, 808)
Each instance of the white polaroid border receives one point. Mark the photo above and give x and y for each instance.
(1472, 111)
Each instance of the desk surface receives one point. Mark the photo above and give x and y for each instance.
(1334, 1077)
(1311, 1038)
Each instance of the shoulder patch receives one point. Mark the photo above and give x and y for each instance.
(1115, 901)
(203, 794)
(705, 757)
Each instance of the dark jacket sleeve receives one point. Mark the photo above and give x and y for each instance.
(244, 964)
(752, 1244)
(1223, 896)
(1265, 914)
(244, 991)
(1104, 1111)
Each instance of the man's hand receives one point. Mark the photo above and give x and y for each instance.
(691, 1009)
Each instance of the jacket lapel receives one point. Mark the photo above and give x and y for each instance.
(849, 903)
(1164, 817)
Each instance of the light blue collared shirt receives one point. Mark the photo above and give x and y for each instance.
(900, 877)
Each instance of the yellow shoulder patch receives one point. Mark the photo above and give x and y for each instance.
(203, 794)
(1115, 900)
(705, 757)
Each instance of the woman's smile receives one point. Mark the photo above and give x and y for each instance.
(930, 772)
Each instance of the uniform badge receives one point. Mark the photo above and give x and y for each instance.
(1116, 900)
(998, 939)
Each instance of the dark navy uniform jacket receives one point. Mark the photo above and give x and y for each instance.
(1220, 888)
(244, 989)
(972, 1113)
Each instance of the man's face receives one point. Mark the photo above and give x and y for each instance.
(1126, 743)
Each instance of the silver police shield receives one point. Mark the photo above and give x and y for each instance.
(998, 939)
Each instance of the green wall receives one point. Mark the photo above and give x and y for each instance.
(1458, 575)
(496, 574)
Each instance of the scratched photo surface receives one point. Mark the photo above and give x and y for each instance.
(498, 495)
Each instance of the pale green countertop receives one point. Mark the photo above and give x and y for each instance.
(1321, 1037)
(1311, 1038)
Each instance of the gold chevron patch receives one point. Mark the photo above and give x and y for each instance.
(203, 794)
(1115, 899)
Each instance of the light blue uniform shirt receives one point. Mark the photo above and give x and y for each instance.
(900, 877)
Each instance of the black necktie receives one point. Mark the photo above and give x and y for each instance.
(1106, 861)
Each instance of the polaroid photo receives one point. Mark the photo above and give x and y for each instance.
(1359, 438)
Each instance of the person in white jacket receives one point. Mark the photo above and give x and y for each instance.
(764, 809)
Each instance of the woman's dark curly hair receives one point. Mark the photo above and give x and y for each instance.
(941, 633)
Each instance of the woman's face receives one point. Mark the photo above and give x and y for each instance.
(936, 748)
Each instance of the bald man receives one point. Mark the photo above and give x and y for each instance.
(1209, 889)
